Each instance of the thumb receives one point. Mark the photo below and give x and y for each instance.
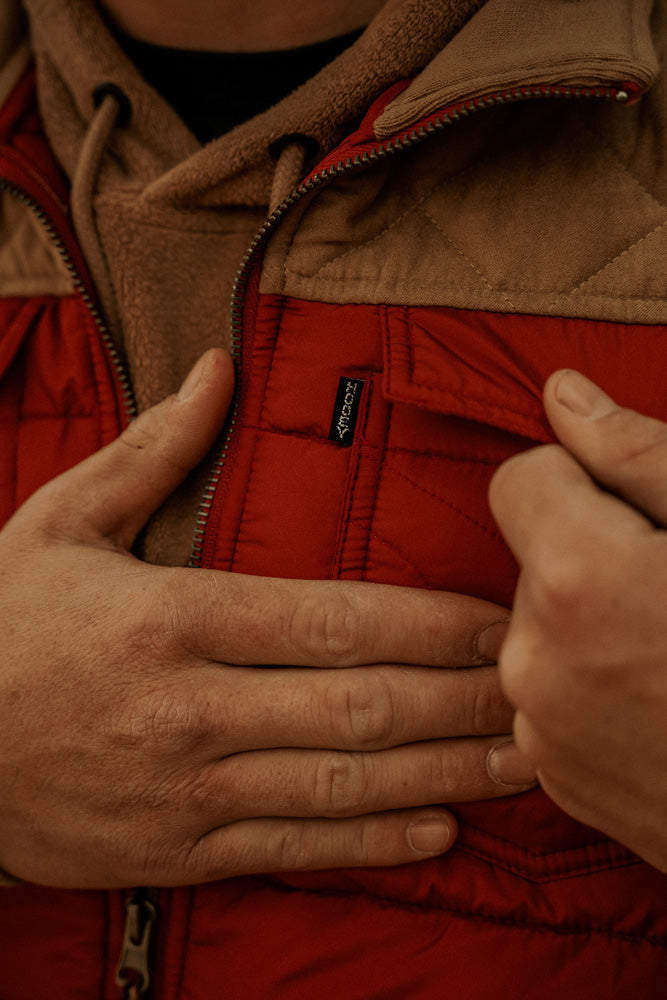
(113, 493)
(623, 450)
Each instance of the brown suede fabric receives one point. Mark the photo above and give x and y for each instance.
(169, 221)
(557, 207)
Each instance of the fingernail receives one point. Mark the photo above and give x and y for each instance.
(581, 396)
(489, 640)
(193, 379)
(430, 835)
(508, 766)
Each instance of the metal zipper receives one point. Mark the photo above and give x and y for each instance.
(126, 395)
(133, 970)
(360, 161)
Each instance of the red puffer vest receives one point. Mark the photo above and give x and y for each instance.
(363, 443)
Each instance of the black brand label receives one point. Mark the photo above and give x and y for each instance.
(346, 410)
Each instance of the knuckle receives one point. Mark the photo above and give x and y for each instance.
(445, 772)
(341, 784)
(188, 609)
(161, 794)
(365, 847)
(300, 847)
(206, 793)
(561, 579)
(162, 725)
(180, 723)
(200, 796)
(141, 630)
(46, 516)
(289, 849)
(168, 721)
(153, 431)
(139, 434)
(363, 714)
(160, 620)
(328, 629)
(486, 709)
(532, 676)
(159, 625)
(506, 476)
(516, 668)
(436, 639)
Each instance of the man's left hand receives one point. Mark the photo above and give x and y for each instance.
(585, 660)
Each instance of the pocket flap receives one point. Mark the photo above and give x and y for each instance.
(491, 367)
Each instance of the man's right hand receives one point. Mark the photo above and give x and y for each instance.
(142, 741)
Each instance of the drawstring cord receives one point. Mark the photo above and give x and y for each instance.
(113, 108)
(288, 172)
(290, 152)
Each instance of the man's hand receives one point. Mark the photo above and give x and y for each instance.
(140, 744)
(585, 660)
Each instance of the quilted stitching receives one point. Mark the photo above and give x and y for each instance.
(486, 255)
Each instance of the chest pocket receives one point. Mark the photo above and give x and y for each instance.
(460, 392)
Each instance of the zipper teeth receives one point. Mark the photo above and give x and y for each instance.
(350, 164)
(127, 396)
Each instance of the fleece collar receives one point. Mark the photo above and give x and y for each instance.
(510, 44)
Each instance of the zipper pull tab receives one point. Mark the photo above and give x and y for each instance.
(132, 973)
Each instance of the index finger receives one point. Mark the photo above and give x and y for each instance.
(257, 620)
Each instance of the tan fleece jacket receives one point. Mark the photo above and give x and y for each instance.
(164, 222)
